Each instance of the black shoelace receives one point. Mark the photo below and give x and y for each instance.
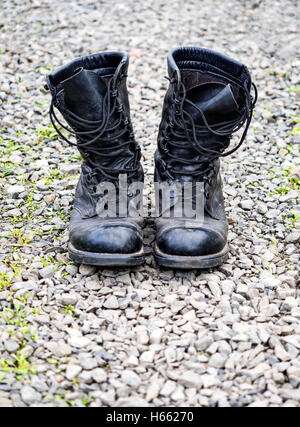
(181, 126)
(93, 132)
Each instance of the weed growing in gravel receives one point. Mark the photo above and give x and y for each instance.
(10, 262)
(86, 401)
(47, 69)
(269, 72)
(48, 133)
(69, 310)
(16, 316)
(75, 382)
(5, 281)
(55, 174)
(49, 260)
(75, 157)
(283, 189)
(18, 366)
(11, 145)
(6, 169)
(267, 112)
(290, 182)
(31, 204)
(64, 402)
(295, 131)
(295, 217)
(21, 238)
(289, 221)
(294, 89)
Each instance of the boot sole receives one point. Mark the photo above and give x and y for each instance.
(106, 260)
(191, 262)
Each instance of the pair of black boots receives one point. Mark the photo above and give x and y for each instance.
(208, 99)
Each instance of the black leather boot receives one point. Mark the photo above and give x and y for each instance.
(91, 94)
(207, 101)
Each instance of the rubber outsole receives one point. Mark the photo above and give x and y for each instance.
(106, 260)
(191, 262)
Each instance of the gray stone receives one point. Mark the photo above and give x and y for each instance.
(124, 279)
(88, 364)
(130, 378)
(11, 346)
(204, 342)
(287, 393)
(168, 388)
(156, 336)
(142, 336)
(218, 360)
(296, 312)
(47, 272)
(147, 357)
(39, 385)
(87, 270)
(79, 342)
(5, 401)
(69, 299)
(130, 313)
(215, 289)
(59, 348)
(293, 237)
(209, 381)
(14, 191)
(4, 295)
(190, 379)
(29, 395)
(131, 402)
(93, 284)
(99, 375)
(111, 303)
(43, 319)
(227, 287)
(152, 391)
(73, 371)
(247, 205)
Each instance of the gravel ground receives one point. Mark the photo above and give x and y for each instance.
(77, 336)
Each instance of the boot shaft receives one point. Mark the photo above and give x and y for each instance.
(91, 94)
(208, 99)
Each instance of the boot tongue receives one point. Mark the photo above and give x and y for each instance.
(84, 93)
(216, 100)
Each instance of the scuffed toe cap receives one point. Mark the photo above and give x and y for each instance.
(190, 242)
(107, 239)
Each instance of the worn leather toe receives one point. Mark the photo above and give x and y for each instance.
(106, 239)
(190, 242)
